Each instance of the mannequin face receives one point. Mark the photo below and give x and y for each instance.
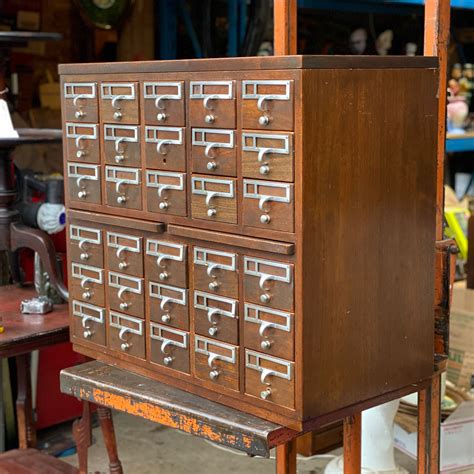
(384, 42)
(358, 41)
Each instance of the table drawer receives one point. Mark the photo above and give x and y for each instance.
(216, 271)
(268, 205)
(84, 183)
(127, 334)
(166, 262)
(166, 192)
(124, 253)
(169, 305)
(267, 155)
(85, 245)
(80, 102)
(125, 293)
(163, 102)
(169, 347)
(123, 187)
(212, 104)
(214, 199)
(216, 316)
(213, 151)
(119, 102)
(269, 331)
(122, 145)
(267, 104)
(269, 378)
(165, 148)
(82, 142)
(88, 322)
(216, 362)
(87, 284)
(269, 283)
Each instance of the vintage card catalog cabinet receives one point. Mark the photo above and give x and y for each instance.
(257, 230)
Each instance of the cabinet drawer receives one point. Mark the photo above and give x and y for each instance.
(88, 322)
(166, 262)
(80, 101)
(85, 245)
(267, 155)
(216, 362)
(214, 151)
(123, 187)
(267, 104)
(122, 145)
(126, 334)
(269, 378)
(166, 192)
(87, 283)
(82, 142)
(169, 347)
(216, 271)
(84, 183)
(214, 199)
(269, 205)
(165, 148)
(168, 304)
(163, 102)
(212, 104)
(124, 253)
(119, 102)
(269, 283)
(125, 293)
(269, 330)
(216, 316)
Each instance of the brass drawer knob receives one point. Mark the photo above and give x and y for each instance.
(265, 394)
(265, 298)
(125, 346)
(118, 115)
(213, 374)
(87, 295)
(123, 265)
(265, 219)
(212, 165)
(122, 199)
(81, 153)
(82, 194)
(211, 212)
(209, 118)
(163, 276)
(264, 169)
(87, 334)
(214, 285)
(84, 256)
(168, 360)
(161, 117)
(166, 318)
(265, 345)
(124, 306)
(264, 120)
(163, 205)
(79, 114)
(213, 331)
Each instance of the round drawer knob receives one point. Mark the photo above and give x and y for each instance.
(163, 205)
(265, 345)
(264, 394)
(84, 256)
(166, 318)
(123, 265)
(118, 115)
(265, 219)
(87, 295)
(79, 114)
(213, 374)
(122, 199)
(214, 285)
(264, 120)
(119, 158)
(209, 118)
(163, 276)
(161, 117)
(125, 346)
(87, 334)
(212, 165)
(82, 194)
(265, 298)
(213, 331)
(168, 360)
(264, 169)
(211, 212)
(124, 306)
(80, 153)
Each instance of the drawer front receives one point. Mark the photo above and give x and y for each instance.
(214, 151)
(80, 101)
(87, 284)
(269, 331)
(216, 362)
(165, 148)
(166, 262)
(124, 253)
(88, 322)
(214, 199)
(169, 347)
(268, 104)
(216, 272)
(269, 378)
(127, 334)
(82, 142)
(119, 102)
(269, 283)
(267, 155)
(163, 102)
(122, 145)
(169, 305)
(166, 192)
(212, 104)
(269, 205)
(216, 316)
(125, 293)
(84, 183)
(85, 245)
(123, 187)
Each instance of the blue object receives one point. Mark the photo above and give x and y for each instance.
(454, 145)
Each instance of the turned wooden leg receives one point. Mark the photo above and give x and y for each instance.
(286, 458)
(352, 444)
(107, 427)
(24, 410)
(82, 432)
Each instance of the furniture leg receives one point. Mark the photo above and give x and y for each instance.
(2, 411)
(286, 458)
(24, 411)
(108, 432)
(352, 444)
(82, 432)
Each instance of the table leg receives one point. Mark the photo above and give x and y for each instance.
(352, 444)
(82, 432)
(24, 410)
(107, 427)
(286, 458)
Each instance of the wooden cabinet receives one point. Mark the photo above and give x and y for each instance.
(257, 232)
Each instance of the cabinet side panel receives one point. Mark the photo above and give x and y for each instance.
(369, 175)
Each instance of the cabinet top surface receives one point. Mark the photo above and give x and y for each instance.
(253, 63)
